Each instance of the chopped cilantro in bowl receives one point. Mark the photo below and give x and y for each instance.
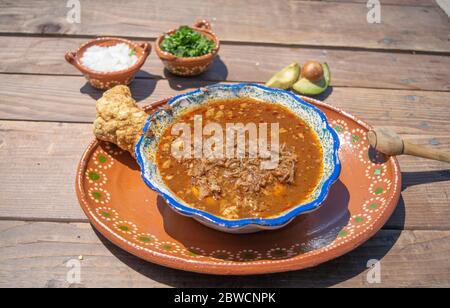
(186, 43)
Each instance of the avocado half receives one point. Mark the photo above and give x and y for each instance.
(307, 87)
(285, 78)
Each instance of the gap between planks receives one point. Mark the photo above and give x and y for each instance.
(157, 78)
(86, 220)
(238, 43)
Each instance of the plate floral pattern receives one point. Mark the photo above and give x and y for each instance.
(136, 219)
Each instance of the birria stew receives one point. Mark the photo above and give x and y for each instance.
(238, 187)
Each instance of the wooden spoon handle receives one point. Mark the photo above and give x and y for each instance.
(420, 151)
(389, 143)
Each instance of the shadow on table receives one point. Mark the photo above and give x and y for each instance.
(411, 179)
(424, 177)
(145, 83)
(324, 275)
(141, 88)
(216, 73)
(323, 96)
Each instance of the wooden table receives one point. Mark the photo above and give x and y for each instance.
(394, 74)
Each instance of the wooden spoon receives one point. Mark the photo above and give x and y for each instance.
(388, 142)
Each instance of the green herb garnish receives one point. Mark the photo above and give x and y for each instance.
(132, 52)
(186, 42)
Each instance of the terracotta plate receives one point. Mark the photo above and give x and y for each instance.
(132, 216)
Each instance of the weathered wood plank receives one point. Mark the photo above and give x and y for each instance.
(56, 98)
(42, 257)
(38, 163)
(389, 2)
(39, 159)
(45, 55)
(284, 22)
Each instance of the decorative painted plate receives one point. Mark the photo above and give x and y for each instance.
(120, 205)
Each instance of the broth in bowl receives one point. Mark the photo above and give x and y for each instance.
(242, 185)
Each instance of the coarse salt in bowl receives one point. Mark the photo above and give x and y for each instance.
(109, 58)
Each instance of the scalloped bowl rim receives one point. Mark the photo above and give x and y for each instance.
(271, 222)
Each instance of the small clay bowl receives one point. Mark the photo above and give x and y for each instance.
(107, 80)
(189, 66)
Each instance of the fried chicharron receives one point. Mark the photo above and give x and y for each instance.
(119, 119)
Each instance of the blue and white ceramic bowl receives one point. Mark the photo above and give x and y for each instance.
(158, 122)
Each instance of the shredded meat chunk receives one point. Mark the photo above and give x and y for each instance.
(204, 175)
(246, 175)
